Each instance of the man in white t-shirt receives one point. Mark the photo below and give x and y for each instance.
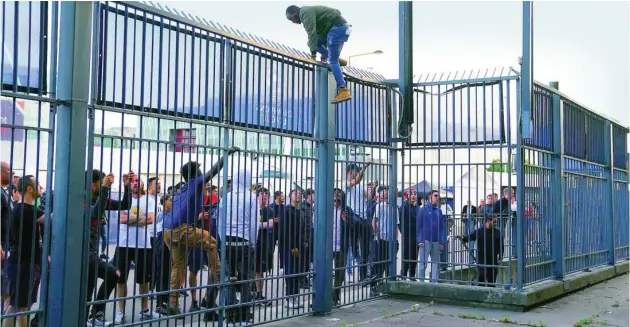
(153, 191)
(134, 245)
(356, 200)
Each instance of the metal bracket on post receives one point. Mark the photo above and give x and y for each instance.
(527, 67)
(66, 301)
(324, 184)
(405, 66)
(559, 230)
(609, 190)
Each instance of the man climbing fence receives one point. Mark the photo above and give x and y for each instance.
(327, 32)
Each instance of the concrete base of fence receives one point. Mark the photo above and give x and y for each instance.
(494, 297)
(467, 273)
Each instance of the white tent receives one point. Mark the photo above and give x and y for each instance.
(476, 183)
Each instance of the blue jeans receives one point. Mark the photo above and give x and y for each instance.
(471, 226)
(430, 249)
(330, 48)
(104, 240)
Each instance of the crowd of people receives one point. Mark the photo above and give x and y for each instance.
(160, 235)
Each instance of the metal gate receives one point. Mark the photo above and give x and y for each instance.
(458, 160)
(141, 118)
(28, 104)
(468, 155)
(143, 91)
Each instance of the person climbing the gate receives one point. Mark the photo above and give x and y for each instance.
(327, 32)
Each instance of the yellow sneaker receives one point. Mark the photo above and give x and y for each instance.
(343, 94)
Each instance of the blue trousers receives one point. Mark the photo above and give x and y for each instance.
(330, 48)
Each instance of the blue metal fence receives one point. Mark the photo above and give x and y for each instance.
(145, 90)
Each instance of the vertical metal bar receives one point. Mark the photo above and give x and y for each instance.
(609, 190)
(64, 307)
(520, 201)
(405, 48)
(393, 180)
(527, 66)
(326, 90)
(225, 77)
(558, 248)
(49, 167)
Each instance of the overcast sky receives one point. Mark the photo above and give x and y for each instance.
(583, 45)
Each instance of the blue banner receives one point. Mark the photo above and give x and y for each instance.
(24, 45)
(364, 118)
(12, 113)
(161, 65)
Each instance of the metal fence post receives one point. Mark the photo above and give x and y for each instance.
(520, 198)
(226, 92)
(558, 235)
(324, 184)
(393, 182)
(66, 300)
(609, 191)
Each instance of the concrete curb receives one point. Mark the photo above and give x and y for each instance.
(532, 296)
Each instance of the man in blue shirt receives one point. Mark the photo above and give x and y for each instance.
(181, 232)
(432, 230)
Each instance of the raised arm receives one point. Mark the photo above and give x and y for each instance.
(309, 21)
(359, 177)
(375, 226)
(123, 204)
(400, 214)
(100, 205)
(216, 168)
(471, 237)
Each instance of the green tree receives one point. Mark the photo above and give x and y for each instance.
(498, 167)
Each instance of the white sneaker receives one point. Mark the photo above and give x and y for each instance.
(238, 324)
(119, 319)
(291, 304)
(98, 322)
(149, 315)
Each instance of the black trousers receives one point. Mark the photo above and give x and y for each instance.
(410, 257)
(487, 275)
(240, 259)
(339, 262)
(98, 268)
(162, 273)
(365, 236)
(381, 258)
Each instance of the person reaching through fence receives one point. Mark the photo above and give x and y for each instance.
(98, 268)
(327, 32)
(180, 230)
(489, 248)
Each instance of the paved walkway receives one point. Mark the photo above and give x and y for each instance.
(605, 304)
